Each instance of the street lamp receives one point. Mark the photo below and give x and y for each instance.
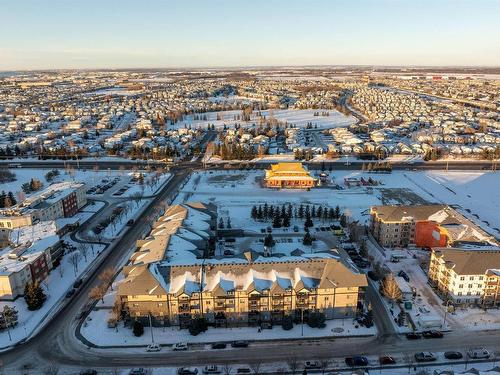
(446, 311)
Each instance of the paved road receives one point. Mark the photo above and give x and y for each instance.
(56, 337)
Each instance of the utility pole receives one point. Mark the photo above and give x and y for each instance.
(151, 327)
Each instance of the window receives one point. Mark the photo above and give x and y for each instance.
(462, 278)
(460, 286)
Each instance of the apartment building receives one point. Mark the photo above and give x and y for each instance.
(248, 292)
(174, 277)
(28, 262)
(467, 277)
(56, 201)
(425, 226)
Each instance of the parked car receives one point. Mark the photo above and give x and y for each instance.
(404, 275)
(153, 347)
(239, 344)
(356, 361)
(77, 283)
(138, 371)
(212, 369)
(70, 293)
(219, 345)
(187, 371)
(478, 353)
(453, 355)
(413, 336)
(180, 346)
(243, 370)
(312, 365)
(88, 371)
(425, 357)
(386, 360)
(432, 334)
(228, 252)
(295, 228)
(130, 222)
(372, 275)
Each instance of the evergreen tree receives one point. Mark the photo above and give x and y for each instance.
(283, 211)
(271, 212)
(301, 212)
(289, 211)
(277, 220)
(221, 223)
(307, 240)
(331, 214)
(228, 225)
(260, 214)
(308, 223)
(313, 212)
(265, 211)
(253, 214)
(343, 220)
(34, 296)
(286, 221)
(138, 329)
(269, 241)
(337, 212)
(319, 212)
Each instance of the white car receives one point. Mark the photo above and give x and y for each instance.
(153, 348)
(213, 369)
(312, 365)
(478, 353)
(180, 346)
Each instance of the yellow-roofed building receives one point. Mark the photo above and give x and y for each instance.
(289, 176)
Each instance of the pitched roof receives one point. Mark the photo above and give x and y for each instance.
(469, 262)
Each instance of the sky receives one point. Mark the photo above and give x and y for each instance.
(58, 34)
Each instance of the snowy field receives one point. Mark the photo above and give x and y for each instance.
(299, 117)
(236, 191)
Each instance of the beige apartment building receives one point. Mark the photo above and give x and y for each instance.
(240, 294)
(467, 277)
(172, 277)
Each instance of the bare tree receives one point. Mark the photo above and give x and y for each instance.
(390, 288)
(293, 364)
(98, 292)
(255, 366)
(227, 368)
(74, 259)
(107, 276)
(51, 369)
(323, 362)
(83, 250)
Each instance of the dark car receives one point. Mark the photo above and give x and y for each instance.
(413, 336)
(372, 275)
(432, 334)
(356, 361)
(88, 372)
(77, 283)
(453, 355)
(239, 344)
(130, 222)
(387, 360)
(70, 293)
(219, 345)
(404, 275)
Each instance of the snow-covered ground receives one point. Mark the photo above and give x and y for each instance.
(298, 117)
(237, 191)
(93, 331)
(56, 285)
